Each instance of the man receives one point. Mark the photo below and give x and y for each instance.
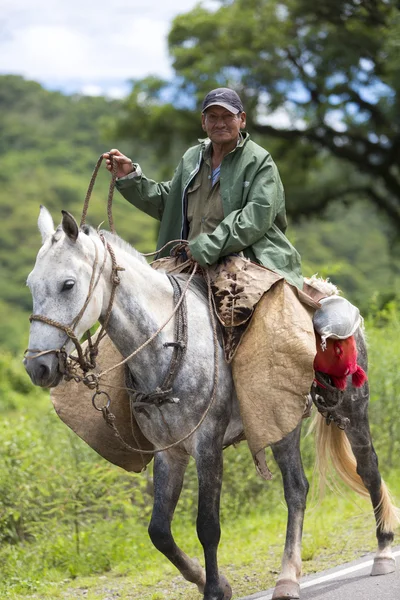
(226, 195)
(226, 198)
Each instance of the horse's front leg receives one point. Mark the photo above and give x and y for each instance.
(287, 455)
(169, 469)
(209, 464)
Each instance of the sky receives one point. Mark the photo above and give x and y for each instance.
(92, 47)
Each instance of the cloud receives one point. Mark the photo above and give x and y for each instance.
(92, 44)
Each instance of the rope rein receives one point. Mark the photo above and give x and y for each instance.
(156, 333)
(110, 193)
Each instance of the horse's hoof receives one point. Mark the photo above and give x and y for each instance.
(286, 589)
(225, 591)
(224, 583)
(383, 565)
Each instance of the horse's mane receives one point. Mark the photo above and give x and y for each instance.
(197, 285)
(117, 241)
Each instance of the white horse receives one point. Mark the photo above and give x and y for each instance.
(60, 284)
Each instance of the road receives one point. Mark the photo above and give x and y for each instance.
(351, 581)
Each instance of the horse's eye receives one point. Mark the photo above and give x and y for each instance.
(68, 284)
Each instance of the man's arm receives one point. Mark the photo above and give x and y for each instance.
(242, 228)
(146, 194)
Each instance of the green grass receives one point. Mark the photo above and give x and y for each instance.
(337, 529)
(74, 526)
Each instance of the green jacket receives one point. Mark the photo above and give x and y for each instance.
(253, 202)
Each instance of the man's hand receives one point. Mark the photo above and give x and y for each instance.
(124, 164)
(188, 253)
(182, 251)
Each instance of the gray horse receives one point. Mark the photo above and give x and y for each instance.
(68, 262)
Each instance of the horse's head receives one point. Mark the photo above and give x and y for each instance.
(60, 283)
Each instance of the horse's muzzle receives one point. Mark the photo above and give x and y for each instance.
(43, 370)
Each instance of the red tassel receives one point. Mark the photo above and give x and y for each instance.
(339, 382)
(359, 377)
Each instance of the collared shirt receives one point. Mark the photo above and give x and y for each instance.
(204, 204)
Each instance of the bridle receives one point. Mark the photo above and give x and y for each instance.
(85, 358)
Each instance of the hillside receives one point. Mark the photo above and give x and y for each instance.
(49, 145)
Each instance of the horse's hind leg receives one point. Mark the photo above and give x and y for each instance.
(359, 436)
(355, 460)
(287, 455)
(169, 469)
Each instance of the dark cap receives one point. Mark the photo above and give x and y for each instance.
(225, 97)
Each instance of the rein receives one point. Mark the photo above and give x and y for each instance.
(110, 192)
(87, 361)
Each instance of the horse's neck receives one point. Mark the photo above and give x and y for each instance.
(143, 301)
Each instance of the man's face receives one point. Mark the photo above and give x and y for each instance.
(222, 126)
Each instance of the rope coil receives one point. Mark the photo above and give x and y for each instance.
(110, 192)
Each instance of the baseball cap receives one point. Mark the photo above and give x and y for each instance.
(225, 97)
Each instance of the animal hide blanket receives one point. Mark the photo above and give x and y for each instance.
(273, 369)
(73, 404)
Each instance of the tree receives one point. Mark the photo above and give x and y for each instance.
(321, 79)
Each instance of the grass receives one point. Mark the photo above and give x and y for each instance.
(73, 526)
(338, 529)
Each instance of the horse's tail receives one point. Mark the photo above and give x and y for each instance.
(331, 442)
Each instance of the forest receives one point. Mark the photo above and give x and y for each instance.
(321, 87)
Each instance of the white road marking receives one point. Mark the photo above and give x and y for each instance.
(335, 575)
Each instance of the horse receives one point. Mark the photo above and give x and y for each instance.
(61, 284)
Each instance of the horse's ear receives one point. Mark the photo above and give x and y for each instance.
(45, 223)
(70, 226)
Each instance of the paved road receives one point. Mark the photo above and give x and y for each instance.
(348, 582)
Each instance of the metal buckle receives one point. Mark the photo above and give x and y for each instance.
(101, 408)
